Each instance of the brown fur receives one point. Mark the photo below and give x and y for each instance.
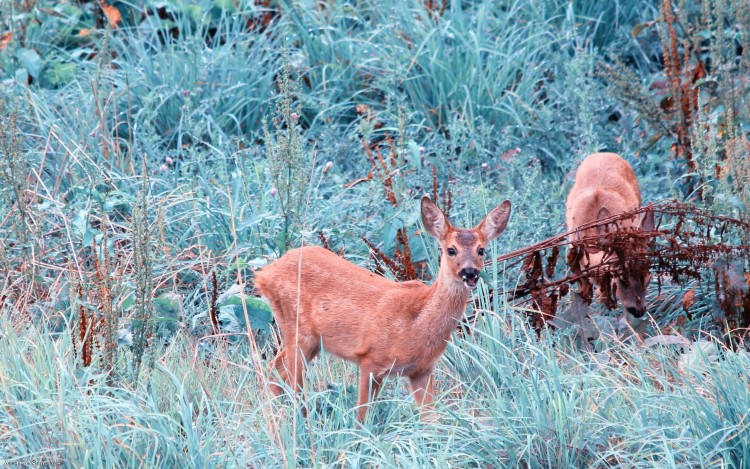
(320, 299)
(606, 185)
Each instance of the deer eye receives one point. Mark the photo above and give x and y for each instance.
(451, 251)
(480, 251)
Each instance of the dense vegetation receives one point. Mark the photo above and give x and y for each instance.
(154, 154)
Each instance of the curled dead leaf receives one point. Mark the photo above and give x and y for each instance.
(364, 110)
(113, 14)
(511, 154)
(688, 300)
(349, 185)
(368, 115)
(5, 40)
(637, 29)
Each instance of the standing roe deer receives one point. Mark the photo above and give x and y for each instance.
(605, 186)
(320, 300)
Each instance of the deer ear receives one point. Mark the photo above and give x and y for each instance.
(647, 220)
(495, 221)
(435, 221)
(603, 213)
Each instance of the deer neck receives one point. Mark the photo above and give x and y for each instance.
(444, 308)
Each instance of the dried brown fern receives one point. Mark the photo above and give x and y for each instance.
(677, 253)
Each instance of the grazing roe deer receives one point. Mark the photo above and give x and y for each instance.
(321, 300)
(606, 185)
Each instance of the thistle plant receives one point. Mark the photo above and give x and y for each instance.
(13, 170)
(288, 164)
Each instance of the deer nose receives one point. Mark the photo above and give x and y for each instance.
(469, 273)
(636, 312)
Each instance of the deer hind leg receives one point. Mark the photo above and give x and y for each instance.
(369, 385)
(424, 394)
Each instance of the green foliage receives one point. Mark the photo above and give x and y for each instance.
(137, 167)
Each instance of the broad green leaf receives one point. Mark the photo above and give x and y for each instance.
(167, 307)
(30, 61)
(60, 73)
(255, 220)
(226, 5)
(194, 13)
(128, 302)
(258, 311)
(89, 235)
(80, 222)
(117, 199)
(22, 76)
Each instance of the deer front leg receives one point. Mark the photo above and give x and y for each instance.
(369, 385)
(278, 364)
(290, 363)
(424, 395)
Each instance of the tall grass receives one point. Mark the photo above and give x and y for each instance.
(505, 399)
